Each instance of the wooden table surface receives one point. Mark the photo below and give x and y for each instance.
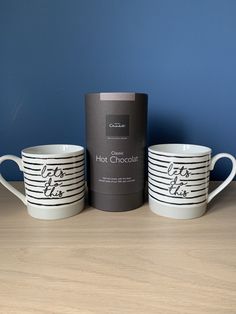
(130, 262)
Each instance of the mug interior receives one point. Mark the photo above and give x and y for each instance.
(179, 149)
(55, 149)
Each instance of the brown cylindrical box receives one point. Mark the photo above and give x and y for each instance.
(116, 126)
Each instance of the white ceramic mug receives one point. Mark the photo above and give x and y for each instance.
(178, 179)
(53, 179)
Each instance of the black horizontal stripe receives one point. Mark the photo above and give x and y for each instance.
(173, 162)
(164, 172)
(52, 169)
(205, 188)
(199, 189)
(198, 183)
(160, 181)
(34, 190)
(72, 183)
(181, 162)
(32, 174)
(159, 171)
(179, 197)
(36, 186)
(197, 173)
(56, 204)
(167, 178)
(158, 186)
(161, 177)
(175, 203)
(188, 185)
(32, 169)
(155, 163)
(42, 187)
(74, 167)
(205, 178)
(201, 156)
(199, 167)
(166, 162)
(70, 190)
(154, 174)
(32, 163)
(54, 198)
(57, 164)
(53, 157)
(70, 174)
(68, 163)
(34, 180)
(62, 180)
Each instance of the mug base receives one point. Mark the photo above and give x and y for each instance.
(175, 211)
(55, 212)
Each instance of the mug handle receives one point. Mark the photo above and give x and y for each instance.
(8, 185)
(229, 178)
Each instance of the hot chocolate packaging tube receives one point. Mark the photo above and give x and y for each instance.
(116, 125)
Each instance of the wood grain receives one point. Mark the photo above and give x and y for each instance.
(131, 262)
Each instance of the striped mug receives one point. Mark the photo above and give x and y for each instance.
(53, 180)
(178, 179)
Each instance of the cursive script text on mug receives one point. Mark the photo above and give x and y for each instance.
(51, 187)
(176, 185)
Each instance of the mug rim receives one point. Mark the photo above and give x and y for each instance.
(200, 150)
(62, 150)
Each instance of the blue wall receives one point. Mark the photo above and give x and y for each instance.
(181, 52)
